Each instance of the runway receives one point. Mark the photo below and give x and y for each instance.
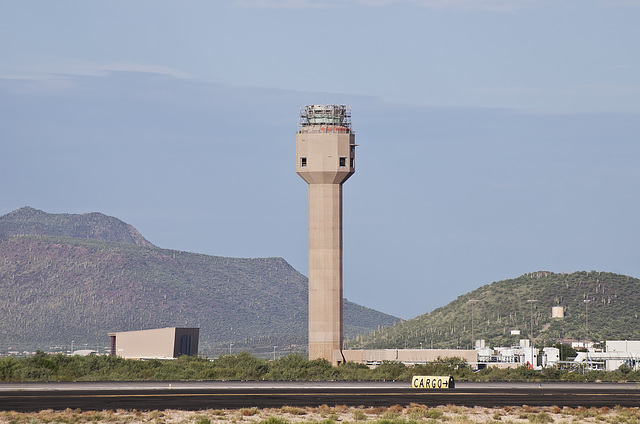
(199, 395)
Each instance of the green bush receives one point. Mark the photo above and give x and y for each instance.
(390, 370)
(44, 367)
(434, 413)
(540, 418)
(201, 419)
(456, 367)
(359, 415)
(274, 420)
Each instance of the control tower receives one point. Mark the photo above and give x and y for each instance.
(325, 158)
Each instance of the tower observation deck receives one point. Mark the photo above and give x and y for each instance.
(325, 159)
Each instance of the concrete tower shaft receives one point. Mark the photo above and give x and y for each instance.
(325, 157)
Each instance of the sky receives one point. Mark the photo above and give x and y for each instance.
(495, 137)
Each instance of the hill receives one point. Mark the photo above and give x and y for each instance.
(609, 313)
(75, 278)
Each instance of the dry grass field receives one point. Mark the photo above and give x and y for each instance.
(413, 414)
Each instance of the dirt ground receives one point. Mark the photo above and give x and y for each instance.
(337, 414)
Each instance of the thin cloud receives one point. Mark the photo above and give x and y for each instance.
(56, 71)
(632, 3)
(60, 77)
(37, 83)
(495, 5)
(99, 69)
(613, 90)
(511, 90)
(289, 4)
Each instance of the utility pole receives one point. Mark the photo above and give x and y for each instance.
(586, 317)
(473, 340)
(531, 301)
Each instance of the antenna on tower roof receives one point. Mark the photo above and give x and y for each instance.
(334, 118)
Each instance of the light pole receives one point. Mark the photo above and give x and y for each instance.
(586, 317)
(531, 301)
(473, 302)
(230, 344)
(274, 352)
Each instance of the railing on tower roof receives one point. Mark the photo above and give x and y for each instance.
(325, 119)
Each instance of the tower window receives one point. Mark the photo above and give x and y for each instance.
(352, 162)
(343, 161)
(303, 162)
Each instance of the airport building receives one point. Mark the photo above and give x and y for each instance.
(375, 357)
(521, 355)
(159, 343)
(615, 354)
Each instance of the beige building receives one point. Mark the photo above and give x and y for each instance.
(325, 159)
(159, 343)
(373, 357)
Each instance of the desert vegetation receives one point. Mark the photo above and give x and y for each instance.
(395, 414)
(46, 367)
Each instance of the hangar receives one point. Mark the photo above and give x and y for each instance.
(159, 343)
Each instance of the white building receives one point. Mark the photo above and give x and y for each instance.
(617, 353)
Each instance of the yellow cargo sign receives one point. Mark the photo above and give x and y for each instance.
(432, 382)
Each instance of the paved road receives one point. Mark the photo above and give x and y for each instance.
(218, 395)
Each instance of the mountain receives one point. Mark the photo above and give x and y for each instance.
(89, 226)
(69, 277)
(597, 306)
